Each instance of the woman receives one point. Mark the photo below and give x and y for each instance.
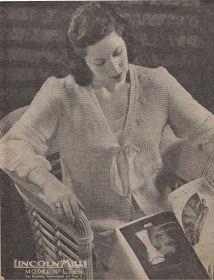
(106, 119)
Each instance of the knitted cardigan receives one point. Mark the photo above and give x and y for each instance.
(102, 170)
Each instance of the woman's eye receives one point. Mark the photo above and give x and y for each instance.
(117, 52)
(100, 63)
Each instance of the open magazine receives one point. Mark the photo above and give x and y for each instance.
(171, 245)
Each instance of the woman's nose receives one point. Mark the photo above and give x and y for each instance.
(115, 66)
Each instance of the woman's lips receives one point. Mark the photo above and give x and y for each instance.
(117, 77)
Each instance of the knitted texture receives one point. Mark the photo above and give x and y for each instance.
(102, 171)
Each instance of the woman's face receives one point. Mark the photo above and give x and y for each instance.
(163, 242)
(107, 59)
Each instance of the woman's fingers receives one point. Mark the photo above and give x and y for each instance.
(80, 204)
(58, 210)
(74, 206)
(64, 203)
(68, 210)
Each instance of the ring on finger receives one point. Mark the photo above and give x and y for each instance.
(59, 206)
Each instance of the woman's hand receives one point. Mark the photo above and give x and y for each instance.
(63, 202)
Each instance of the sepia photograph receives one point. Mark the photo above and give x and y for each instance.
(107, 139)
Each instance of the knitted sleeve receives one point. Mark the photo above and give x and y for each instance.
(187, 118)
(25, 145)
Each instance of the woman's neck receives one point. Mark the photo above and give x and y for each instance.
(109, 88)
(108, 92)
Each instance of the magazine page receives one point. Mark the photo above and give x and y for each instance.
(161, 247)
(193, 205)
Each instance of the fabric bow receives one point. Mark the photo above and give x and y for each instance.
(126, 174)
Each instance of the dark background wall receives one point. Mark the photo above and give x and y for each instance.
(177, 34)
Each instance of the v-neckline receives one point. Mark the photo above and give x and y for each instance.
(129, 118)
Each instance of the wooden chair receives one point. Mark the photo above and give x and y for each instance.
(54, 241)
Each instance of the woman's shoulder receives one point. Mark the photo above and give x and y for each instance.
(67, 82)
(148, 74)
(59, 83)
(55, 88)
(152, 84)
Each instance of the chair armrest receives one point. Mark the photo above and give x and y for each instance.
(40, 212)
(79, 231)
(35, 196)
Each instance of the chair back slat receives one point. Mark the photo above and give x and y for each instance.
(47, 236)
(49, 245)
(49, 252)
(48, 257)
(69, 252)
(70, 244)
(48, 229)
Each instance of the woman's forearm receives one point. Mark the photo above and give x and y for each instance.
(42, 177)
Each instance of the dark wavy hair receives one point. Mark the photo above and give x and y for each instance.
(90, 23)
